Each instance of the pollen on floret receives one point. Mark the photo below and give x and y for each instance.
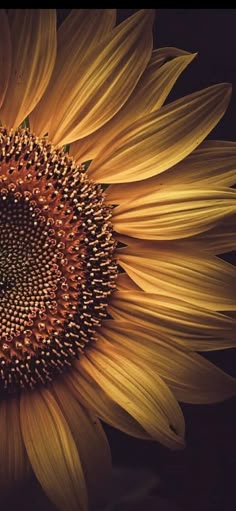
(57, 267)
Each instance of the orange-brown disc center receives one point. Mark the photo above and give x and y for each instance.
(37, 283)
(57, 265)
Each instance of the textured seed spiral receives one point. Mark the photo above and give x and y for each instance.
(57, 267)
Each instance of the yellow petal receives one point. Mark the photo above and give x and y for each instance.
(174, 318)
(80, 31)
(124, 282)
(52, 451)
(123, 192)
(97, 89)
(213, 162)
(166, 53)
(195, 277)
(178, 212)
(198, 341)
(191, 378)
(5, 54)
(14, 466)
(149, 94)
(86, 391)
(33, 39)
(90, 440)
(140, 392)
(218, 240)
(161, 139)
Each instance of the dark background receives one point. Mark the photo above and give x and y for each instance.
(202, 477)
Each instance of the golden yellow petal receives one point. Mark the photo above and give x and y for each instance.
(197, 341)
(33, 39)
(149, 94)
(97, 89)
(77, 35)
(123, 192)
(212, 163)
(52, 451)
(166, 337)
(161, 139)
(140, 392)
(174, 318)
(90, 440)
(125, 282)
(191, 378)
(189, 275)
(14, 466)
(86, 391)
(218, 240)
(5, 54)
(178, 212)
(166, 53)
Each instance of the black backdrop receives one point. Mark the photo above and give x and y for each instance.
(202, 477)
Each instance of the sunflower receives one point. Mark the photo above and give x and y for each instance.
(112, 212)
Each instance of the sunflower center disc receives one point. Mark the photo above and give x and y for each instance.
(57, 265)
(4, 283)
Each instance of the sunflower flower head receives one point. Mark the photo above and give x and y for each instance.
(107, 292)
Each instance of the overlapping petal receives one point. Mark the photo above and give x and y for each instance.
(52, 451)
(174, 214)
(90, 440)
(79, 33)
(191, 378)
(174, 318)
(95, 90)
(161, 139)
(148, 95)
(220, 239)
(5, 54)
(33, 42)
(212, 164)
(14, 467)
(124, 282)
(140, 391)
(186, 274)
(86, 391)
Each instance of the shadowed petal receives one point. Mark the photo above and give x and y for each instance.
(161, 139)
(5, 54)
(52, 451)
(191, 378)
(140, 392)
(90, 440)
(174, 318)
(179, 212)
(87, 392)
(148, 95)
(78, 34)
(33, 40)
(213, 163)
(220, 239)
(189, 275)
(90, 95)
(14, 467)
